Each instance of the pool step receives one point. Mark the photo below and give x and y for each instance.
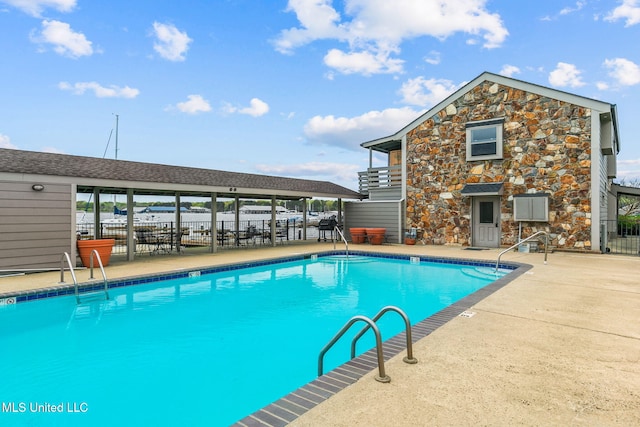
(351, 259)
(484, 272)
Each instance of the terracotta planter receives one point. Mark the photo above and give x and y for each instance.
(409, 241)
(376, 235)
(358, 235)
(103, 246)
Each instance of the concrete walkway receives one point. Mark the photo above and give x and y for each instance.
(560, 345)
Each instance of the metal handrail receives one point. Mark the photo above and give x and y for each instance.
(104, 275)
(382, 376)
(409, 357)
(546, 245)
(73, 274)
(346, 245)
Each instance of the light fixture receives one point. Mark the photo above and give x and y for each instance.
(37, 187)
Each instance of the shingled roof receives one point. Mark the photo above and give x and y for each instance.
(152, 178)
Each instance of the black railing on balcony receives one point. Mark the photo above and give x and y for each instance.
(384, 177)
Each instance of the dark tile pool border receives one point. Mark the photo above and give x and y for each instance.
(98, 285)
(288, 408)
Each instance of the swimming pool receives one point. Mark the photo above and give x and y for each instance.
(210, 348)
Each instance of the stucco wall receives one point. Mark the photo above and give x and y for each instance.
(547, 148)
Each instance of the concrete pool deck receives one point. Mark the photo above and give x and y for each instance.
(559, 345)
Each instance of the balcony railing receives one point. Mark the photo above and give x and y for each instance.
(384, 177)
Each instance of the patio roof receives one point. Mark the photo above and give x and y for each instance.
(118, 176)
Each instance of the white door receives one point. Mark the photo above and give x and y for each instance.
(486, 222)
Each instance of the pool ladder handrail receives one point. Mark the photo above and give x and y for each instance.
(346, 245)
(409, 357)
(73, 274)
(546, 246)
(371, 324)
(382, 376)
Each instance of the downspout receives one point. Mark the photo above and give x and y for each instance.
(403, 191)
(596, 164)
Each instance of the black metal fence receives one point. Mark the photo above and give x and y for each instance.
(165, 237)
(621, 236)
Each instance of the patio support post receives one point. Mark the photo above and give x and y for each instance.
(339, 219)
(131, 232)
(96, 213)
(237, 221)
(304, 218)
(273, 221)
(178, 225)
(214, 223)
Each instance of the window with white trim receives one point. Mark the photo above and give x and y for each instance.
(484, 140)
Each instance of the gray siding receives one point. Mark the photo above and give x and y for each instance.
(378, 214)
(35, 226)
(387, 193)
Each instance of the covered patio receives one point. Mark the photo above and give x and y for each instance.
(38, 218)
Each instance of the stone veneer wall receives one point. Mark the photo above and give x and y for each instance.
(547, 148)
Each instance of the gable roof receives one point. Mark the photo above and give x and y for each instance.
(385, 144)
(151, 178)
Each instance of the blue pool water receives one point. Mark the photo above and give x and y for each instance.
(204, 350)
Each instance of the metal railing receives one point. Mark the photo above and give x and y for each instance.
(76, 289)
(65, 256)
(104, 275)
(372, 178)
(546, 246)
(382, 376)
(621, 236)
(346, 244)
(407, 324)
(156, 236)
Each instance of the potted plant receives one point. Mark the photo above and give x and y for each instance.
(103, 246)
(410, 236)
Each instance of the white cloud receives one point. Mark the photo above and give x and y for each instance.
(602, 85)
(628, 10)
(100, 91)
(628, 169)
(378, 27)
(65, 41)
(171, 43)
(426, 92)
(509, 70)
(626, 72)
(363, 62)
(433, 58)
(344, 172)
(566, 75)
(256, 108)
(35, 7)
(195, 104)
(567, 10)
(350, 132)
(5, 142)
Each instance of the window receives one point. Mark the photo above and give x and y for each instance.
(484, 140)
(531, 207)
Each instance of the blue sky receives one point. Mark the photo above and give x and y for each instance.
(292, 87)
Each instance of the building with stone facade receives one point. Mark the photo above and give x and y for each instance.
(498, 160)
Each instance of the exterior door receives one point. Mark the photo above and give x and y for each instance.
(486, 222)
